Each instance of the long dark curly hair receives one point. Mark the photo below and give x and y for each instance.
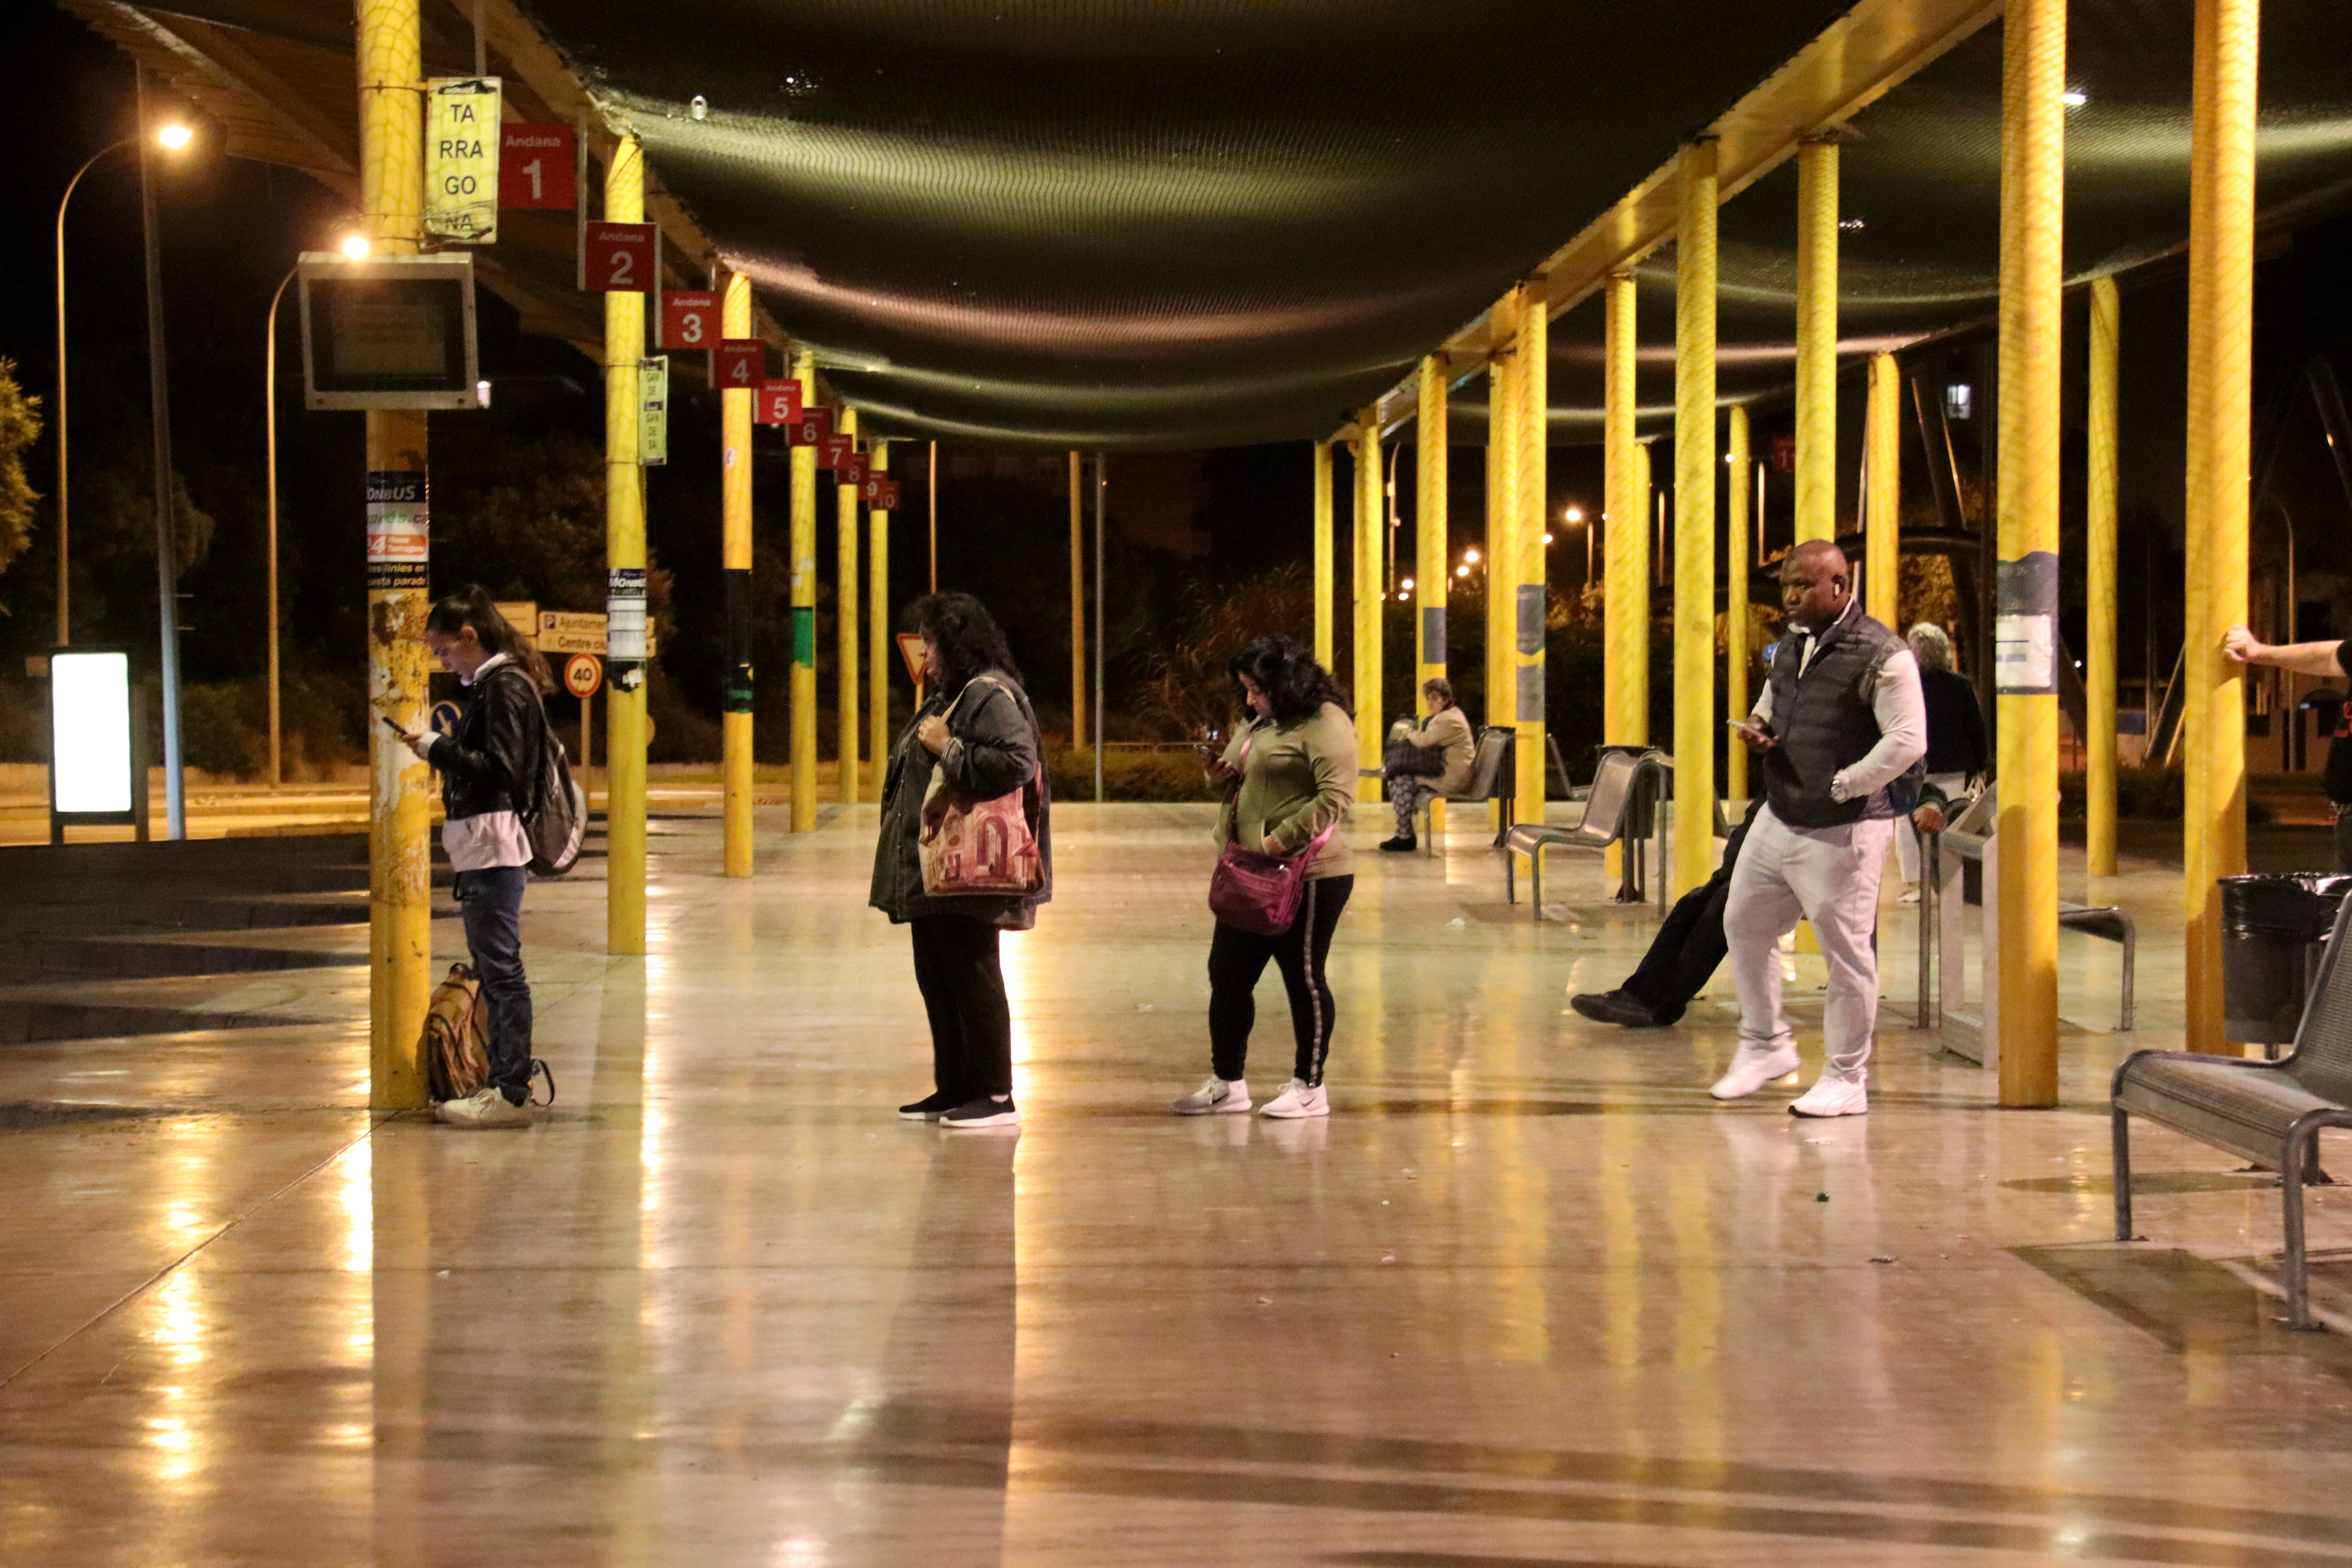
(1287, 672)
(967, 635)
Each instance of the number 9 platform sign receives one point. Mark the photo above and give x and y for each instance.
(583, 675)
(618, 257)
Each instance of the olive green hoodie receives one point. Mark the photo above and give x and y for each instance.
(1297, 781)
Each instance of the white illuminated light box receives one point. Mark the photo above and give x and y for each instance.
(94, 772)
(390, 332)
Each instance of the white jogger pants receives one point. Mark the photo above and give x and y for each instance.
(1828, 876)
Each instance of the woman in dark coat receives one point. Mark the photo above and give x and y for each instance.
(975, 732)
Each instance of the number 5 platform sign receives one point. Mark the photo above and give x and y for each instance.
(462, 151)
(537, 168)
(779, 403)
(618, 257)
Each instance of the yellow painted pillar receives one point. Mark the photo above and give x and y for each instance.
(1370, 588)
(845, 624)
(1695, 462)
(2033, 146)
(624, 560)
(735, 561)
(1496, 554)
(1077, 604)
(1625, 565)
(2221, 377)
(1325, 639)
(1431, 579)
(1531, 404)
(803, 560)
(1736, 572)
(2099, 582)
(1882, 572)
(400, 891)
(2196, 695)
(878, 648)
(1817, 331)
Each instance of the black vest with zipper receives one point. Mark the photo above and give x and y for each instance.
(1825, 720)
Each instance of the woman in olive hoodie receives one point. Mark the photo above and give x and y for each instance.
(1293, 776)
(975, 729)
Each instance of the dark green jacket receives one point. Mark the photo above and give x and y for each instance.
(992, 749)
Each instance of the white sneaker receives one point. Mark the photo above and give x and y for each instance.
(1833, 1097)
(1216, 1097)
(1910, 894)
(486, 1107)
(1752, 1068)
(1297, 1100)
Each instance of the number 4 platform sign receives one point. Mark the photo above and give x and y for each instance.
(462, 152)
(537, 168)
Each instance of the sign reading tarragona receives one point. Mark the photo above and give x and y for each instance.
(461, 159)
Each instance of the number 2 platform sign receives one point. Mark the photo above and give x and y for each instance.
(618, 257)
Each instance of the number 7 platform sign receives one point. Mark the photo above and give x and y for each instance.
(618, 257)
(834, 450)
(537, 167)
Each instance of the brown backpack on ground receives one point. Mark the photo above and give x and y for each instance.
(455, 1044)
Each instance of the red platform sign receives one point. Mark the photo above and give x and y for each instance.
(1784, 453)
(742, 365)
(619, 259)
(813, 426)
(852, 469)
(537, 167)
(880, 493)
(834, 450)
(689, 319)
(779, 403)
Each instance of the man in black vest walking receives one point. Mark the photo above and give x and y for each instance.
(1840, 727)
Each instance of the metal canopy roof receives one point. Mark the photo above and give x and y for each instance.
(1202, 222)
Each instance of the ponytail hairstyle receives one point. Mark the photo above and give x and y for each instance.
(471, 605)
(1283, 669)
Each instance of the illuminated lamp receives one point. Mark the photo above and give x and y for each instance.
(94, 773)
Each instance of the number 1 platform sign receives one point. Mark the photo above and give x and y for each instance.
(618, 257)
(463, 149)
(537, 168)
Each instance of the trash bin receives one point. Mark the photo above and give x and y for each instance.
(2274, 931)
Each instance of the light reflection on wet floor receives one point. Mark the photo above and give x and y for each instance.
(1528, 1297)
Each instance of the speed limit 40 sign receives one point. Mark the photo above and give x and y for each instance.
(583, 674)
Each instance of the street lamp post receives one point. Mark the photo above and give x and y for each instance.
(269, 399)
(167, 574)
(65, 617)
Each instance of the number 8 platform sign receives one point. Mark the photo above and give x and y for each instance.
(619, 259)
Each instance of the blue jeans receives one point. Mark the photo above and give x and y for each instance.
(491, 902)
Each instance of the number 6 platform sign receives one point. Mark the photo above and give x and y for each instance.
(618, 257)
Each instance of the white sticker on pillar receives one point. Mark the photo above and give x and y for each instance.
(625, 625)
(2025, 628)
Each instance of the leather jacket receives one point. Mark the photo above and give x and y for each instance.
(489, 761)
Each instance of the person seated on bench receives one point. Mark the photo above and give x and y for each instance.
(1684, 955)
(1433, 760)
(2326, 660)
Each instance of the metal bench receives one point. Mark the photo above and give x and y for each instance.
(1492, 777)
(1601, 825)
(2270, 1113)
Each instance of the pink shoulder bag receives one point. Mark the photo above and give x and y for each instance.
(1257, 892)
(968, 845)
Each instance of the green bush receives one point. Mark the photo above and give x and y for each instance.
(1129, 775)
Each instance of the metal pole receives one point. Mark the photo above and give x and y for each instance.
(932, 489)
(1369, 602)
(65, 590)
(400, 926)
(1883, 482)
(2033, 132)
(803, 605)
(1102, 617)
(1530, 564)
(1735, 603)
(167, 571)
(1625, 567)
(1077, 604)
(736, 722)
(844, 626)
(1429, 524)
(1817, 328)
(2220, 379)
(878, 550)
(624, 560)
(269, 398)
(1695, 462)
(2099, 582)
(1325, 632)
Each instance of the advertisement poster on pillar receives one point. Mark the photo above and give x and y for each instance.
(463, 151)
(538, 170)
(399, 532)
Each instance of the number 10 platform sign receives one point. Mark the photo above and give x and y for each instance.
(462, 152)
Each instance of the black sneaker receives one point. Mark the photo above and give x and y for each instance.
(1616, 1007)
(930, 1107)
(1400, 845)
(981, 1113)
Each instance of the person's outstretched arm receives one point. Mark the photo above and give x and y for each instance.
(2324, 659)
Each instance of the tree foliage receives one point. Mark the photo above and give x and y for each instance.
(20, 427)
